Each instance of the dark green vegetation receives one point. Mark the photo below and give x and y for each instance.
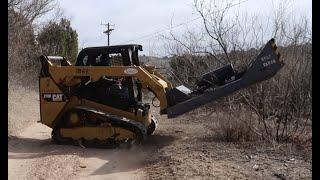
(58, 38)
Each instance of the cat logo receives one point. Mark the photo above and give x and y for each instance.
(54, 97)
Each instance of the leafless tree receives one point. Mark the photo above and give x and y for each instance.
(22, 47)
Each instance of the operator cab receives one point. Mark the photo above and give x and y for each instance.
(120, 92)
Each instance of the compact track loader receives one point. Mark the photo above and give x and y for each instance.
(98, 101)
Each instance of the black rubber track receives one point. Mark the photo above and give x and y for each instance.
(116, 121)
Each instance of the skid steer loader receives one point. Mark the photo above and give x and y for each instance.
(98, 101)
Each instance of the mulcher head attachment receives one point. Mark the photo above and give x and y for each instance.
(225, 80)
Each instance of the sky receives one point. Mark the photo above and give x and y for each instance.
(138, 21)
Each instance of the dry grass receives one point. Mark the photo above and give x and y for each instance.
(23, 107)
(234, 126)
(238, 124)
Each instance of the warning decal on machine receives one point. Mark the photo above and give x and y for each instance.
(54, 97)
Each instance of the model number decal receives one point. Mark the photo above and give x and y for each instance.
(130, 71)
(54, 97)
(269, 63)
(265, 58)
(82, 71)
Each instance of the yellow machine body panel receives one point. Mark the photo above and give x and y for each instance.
(50, 110)
(51, 101)
(69, 74)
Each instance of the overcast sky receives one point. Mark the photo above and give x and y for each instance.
(134, 19)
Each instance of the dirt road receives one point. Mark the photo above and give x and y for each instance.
(33, 155)
(181, 148)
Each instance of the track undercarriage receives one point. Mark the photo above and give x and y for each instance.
(93, 128)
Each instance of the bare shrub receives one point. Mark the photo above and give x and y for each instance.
(283, 104)
(188, 67)
(230, 128)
